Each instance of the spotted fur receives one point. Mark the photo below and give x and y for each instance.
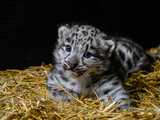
(90, 63)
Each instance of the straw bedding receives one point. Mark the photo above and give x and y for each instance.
(23, 96)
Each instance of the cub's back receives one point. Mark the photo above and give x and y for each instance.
(130, 55)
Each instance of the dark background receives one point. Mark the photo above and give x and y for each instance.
(28, 30)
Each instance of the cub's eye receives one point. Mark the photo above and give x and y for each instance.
(68, 48)
(88, 55)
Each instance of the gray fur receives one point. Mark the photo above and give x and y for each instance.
(88, 62)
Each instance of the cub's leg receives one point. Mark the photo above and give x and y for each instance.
(57, 91)
(111, 89)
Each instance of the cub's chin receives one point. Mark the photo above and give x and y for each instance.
(83, 75)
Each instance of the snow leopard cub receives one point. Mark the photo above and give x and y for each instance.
(89, 62)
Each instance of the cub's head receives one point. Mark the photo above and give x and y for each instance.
(83, 48)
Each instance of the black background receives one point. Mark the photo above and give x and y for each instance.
(28, 29)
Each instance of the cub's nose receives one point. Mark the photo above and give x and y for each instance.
(69, 65)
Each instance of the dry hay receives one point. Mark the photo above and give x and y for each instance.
(23, 96)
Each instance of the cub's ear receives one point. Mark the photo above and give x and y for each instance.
(63, 31)
(109, 46)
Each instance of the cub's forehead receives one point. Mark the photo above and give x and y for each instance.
(85, 30)
(82, 34)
